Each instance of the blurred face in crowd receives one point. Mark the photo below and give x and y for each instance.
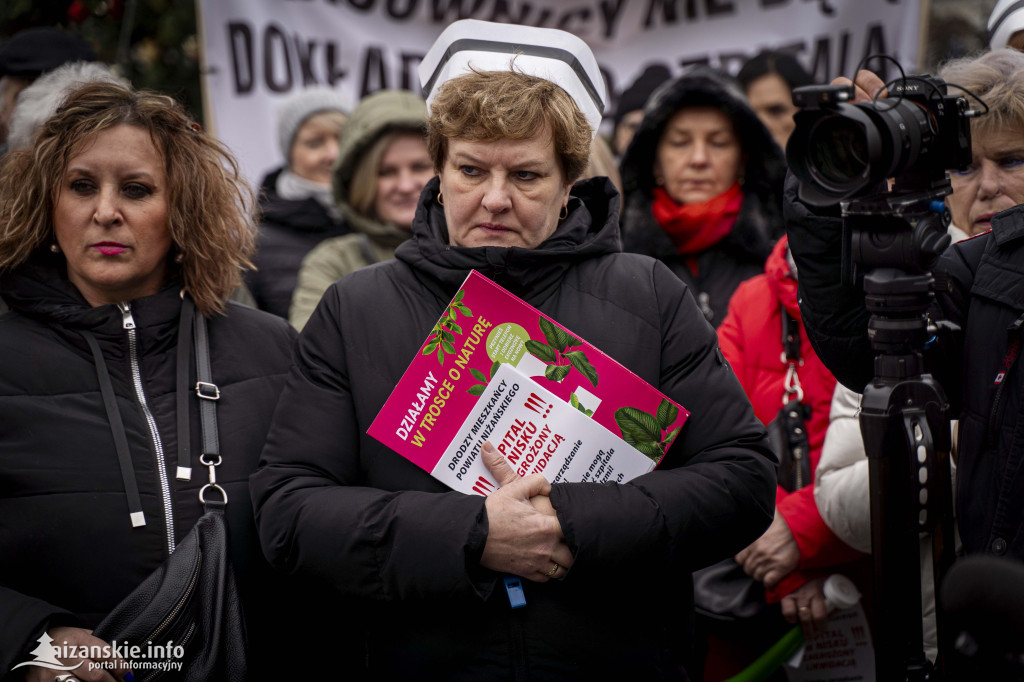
(10, 87)
(772, 101)
(625, 131)
(994, 181)
(404, 169)
(503, 192)
(315, 149)
(698, 156)
(110, 218)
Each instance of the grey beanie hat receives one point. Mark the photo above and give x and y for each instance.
(293, 111)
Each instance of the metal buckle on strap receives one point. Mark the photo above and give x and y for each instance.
(207, 391)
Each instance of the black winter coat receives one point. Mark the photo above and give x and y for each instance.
(712, 275)
(985, 298)
(288, 231)
(68, 551)
(335, 505)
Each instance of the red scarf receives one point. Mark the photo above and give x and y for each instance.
(695, 227)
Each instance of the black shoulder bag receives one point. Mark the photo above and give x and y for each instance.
(723, 591)
(192, 599)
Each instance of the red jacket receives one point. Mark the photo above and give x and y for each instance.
(751, 339)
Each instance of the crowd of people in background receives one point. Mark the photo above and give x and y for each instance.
(119, 215)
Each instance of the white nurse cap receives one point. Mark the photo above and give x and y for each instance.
(546, 53)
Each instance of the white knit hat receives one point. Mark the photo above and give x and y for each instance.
(293, 111)
(546, 53)
(1006, 19)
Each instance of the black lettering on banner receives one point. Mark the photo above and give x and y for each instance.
(335, 72)
(395, 10)
(274, 35)
(566, 22)
(240, 38)
(772, 4)
(875, 44)
(410, 79)
(828, 10)
(610, 11)
(502, 13)
(668, 11)
(692, 8)
(720, 7)
(304, 50)
(361, 5)
(374, 76)
(441, 10)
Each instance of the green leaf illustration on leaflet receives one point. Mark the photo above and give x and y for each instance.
(541, 351)
(478, 389)
(556, 372)
(667, 413)
(557, 339)
(443, 333)
(641, 430)
(580, 362)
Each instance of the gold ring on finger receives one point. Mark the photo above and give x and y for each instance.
(554, 569)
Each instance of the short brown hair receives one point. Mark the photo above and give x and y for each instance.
(210, 207)
(483, 106)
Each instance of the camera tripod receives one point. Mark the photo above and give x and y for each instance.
(904, 419)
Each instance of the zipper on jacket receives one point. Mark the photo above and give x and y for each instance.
(128, 322)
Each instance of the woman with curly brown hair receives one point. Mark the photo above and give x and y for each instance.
(122, 218)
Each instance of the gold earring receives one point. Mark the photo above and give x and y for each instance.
(564, 213)
(440, 198)
(54, 248)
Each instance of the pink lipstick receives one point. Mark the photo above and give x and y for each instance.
(110, 248)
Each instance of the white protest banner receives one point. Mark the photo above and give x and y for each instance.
(258, 51)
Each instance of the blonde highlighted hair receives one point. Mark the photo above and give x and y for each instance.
(996, 77)
(210, 206)
(484, 106)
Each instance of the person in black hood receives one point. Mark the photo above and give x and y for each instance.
(121, 219)
(605, 568)
(295, 200)
(703, 187)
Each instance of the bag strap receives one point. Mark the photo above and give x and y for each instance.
(209, 394)
(184, 472)
(124, 457)
(791, 357)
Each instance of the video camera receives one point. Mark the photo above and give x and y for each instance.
(844, 153)
(839, 149)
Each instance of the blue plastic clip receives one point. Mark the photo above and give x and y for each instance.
(516, 595)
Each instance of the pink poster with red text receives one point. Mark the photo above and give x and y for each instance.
(495, 368)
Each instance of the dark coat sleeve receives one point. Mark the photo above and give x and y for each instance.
(713, 494)
(317, 518)
(22, 620)
(834, 314)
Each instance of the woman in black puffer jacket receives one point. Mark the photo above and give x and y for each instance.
(99, 284)
(703, 187)
(605, 568)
